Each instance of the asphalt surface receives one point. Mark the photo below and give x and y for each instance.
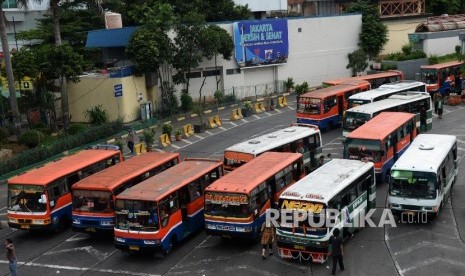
(434, 248)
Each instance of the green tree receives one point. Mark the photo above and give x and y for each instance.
(374, 33)
(216, 41)
(55, 6)
(151, 48)
(357, 61)
(438, 7)
(189, 46)
(8, 66)
(223, 10)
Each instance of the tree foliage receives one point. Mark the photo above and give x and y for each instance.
(357, 61)
(64, 62)
(438, 7)
(374, 33)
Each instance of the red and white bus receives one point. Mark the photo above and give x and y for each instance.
(325, 107)
(382, 140)
(375, 80)
(235, 205)
(443, 77)
(164, 209)
(94, 196)
(41, 198)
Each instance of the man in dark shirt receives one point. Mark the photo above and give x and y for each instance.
(338, 250)
(11, 256)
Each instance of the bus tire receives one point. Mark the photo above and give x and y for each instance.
(170, 245)
(62, 224)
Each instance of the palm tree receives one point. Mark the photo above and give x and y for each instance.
(54, 6)
(9, 68)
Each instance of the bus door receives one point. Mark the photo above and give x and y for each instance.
(340, 107)
(183, 195)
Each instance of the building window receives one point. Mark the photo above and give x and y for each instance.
(10, 4)
(193, 75)
(210, 73)
(233, 71)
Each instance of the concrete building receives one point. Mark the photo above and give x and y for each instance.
(22, 19)
(315, 49)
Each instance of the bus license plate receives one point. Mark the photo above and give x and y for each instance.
(91, 229)
(25, 226)
(301, 247)
(135, 248)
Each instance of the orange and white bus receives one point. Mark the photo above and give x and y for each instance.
(375, 80)
(164, 209)
(382, 140)
(443, 77)
(325, 107)
(302, 138)
(94, 196)
(41, 198)
(235, 205)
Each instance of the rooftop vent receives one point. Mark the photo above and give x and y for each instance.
(425, 147)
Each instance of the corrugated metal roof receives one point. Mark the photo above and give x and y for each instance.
(109, 37)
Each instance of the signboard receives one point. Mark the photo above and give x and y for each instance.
(262, 42)
(413, 37)
(302, 205)
(226, 199)
(118, 89)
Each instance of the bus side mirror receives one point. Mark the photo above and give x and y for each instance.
(43, 199)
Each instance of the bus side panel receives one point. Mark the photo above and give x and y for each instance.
(62, 210)
(195, 211)
(429, 120)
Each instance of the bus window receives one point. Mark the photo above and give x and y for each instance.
(195, 190)
(329, 103)
(56, 190)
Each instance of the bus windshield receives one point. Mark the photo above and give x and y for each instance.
(26, 198)
(227, 205)
(236, 159)
(309, 105)
(136, 215)
(313, 225)
(353, 120)
(356, 102)
(359, 149)
(429, 76)
(413, 184)
(92, 201)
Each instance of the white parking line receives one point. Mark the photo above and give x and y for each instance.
(256, 116)
(198, 136)
(174, 146)
(208, 132)
(232, 123)
(187, 141)
(244, 120)
(222, 128)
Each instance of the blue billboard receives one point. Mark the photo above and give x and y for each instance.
(261, 42)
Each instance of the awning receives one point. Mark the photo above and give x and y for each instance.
(107, 38)
(6, 93)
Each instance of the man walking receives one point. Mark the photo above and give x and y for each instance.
(338, 251)
(11, 256)
(130, 141)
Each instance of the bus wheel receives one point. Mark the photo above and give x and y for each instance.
(170, 245)
(62, 224)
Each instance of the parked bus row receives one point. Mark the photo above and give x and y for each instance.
(418, 103)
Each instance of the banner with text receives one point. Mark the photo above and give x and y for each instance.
(261, 42)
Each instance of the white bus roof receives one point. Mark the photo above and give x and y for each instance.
(392, 101)
(327, 181)
(426, 153)
(387, 89)
(272, 140)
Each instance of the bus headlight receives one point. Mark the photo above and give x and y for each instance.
(38, 221)
(243, 229)
(12, 220)
(211, 226)
(120, 239)
(149, 242)
(107, 223)
(76, 221)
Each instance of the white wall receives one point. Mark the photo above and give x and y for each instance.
(441, 46)
(318, 52)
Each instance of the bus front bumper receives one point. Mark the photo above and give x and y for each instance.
(91, 229)
(29, 226)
